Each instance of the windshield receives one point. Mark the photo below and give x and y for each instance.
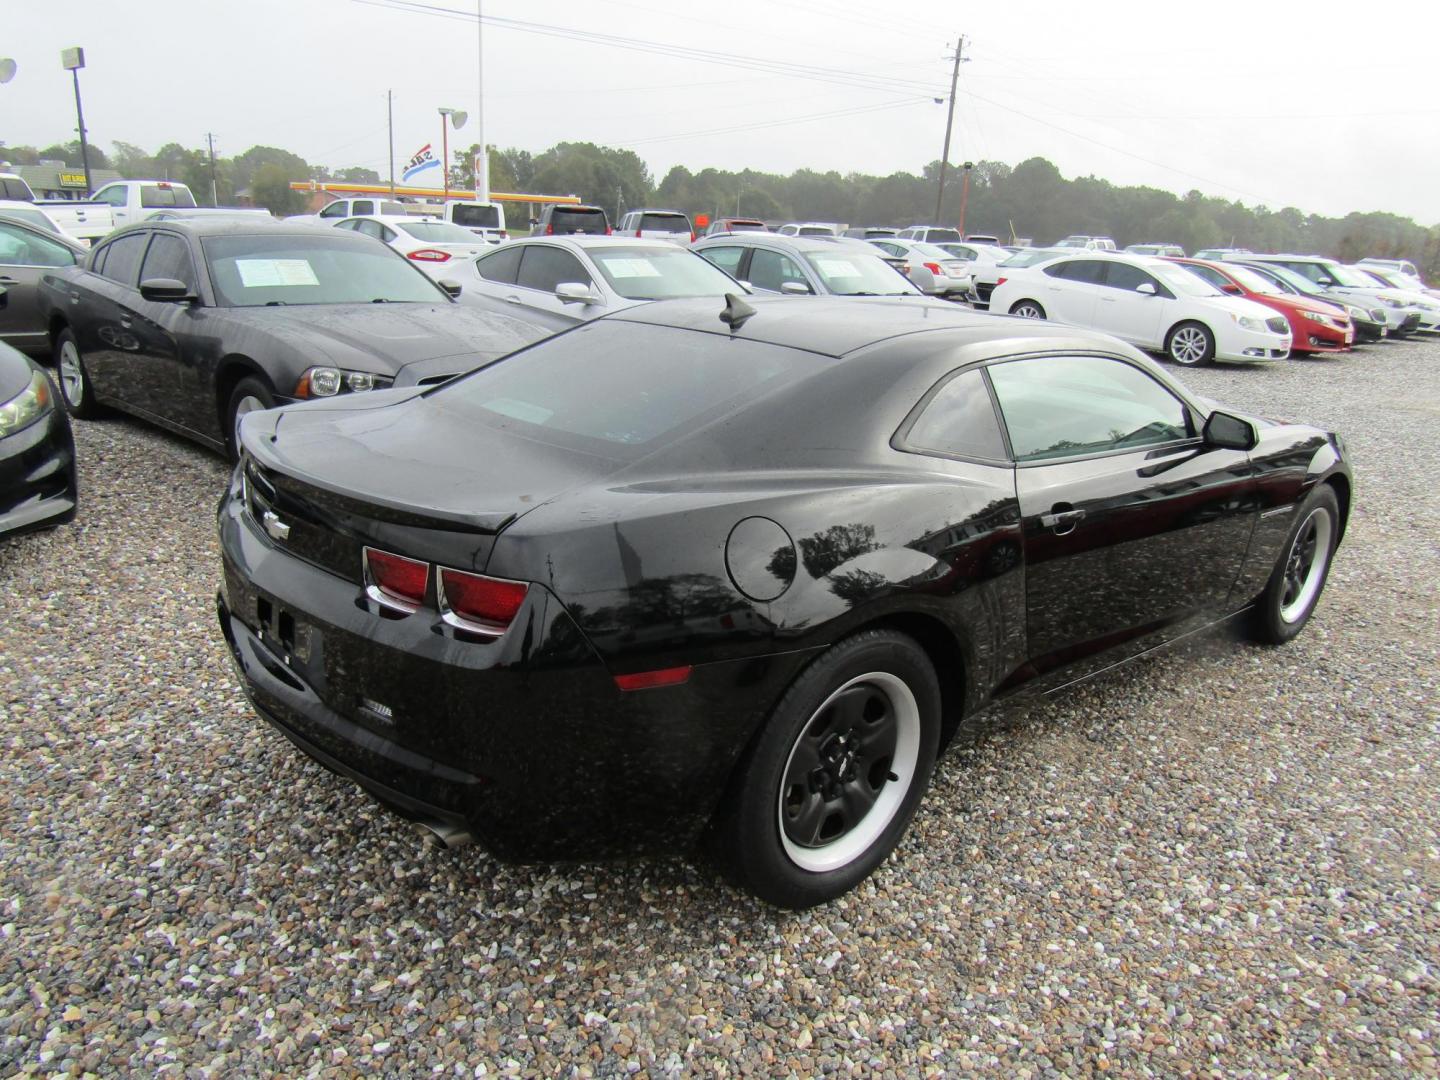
(660, 273)
(1298, 282)
(38, 218)
(256, 271)
(476, 215)
(1256, 283)
(437, 232)
(930, 251)
(858, 274)
(622, 389)
(1343, 275)
(1181, 280)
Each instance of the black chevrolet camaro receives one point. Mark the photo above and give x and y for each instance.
(190, 324)
(674, 577)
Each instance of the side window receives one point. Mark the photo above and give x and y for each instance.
(1086, 271)
(168, 257)
(545, 267)
(21, 248)
(1128, 278)
(770, 269)
(364, 206)
(1313, 271)
(726, 258)
(386, 233)
(122, 264)
(960, 420)
(1208, 273)
(1070, 406)
(335, 210)
(369, 228)
(114, 195)
(501, 266)
(889, 249)
(351, 225)
(96, 265)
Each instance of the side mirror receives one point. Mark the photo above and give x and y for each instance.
(1146, 288)
(1326, 281)
(1230, 432)
(452, 288)
(167, 291)
(795, 288)
(1231, 288)
(573, 292)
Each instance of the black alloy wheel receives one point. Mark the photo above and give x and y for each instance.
(1302, 569)
(830, 784)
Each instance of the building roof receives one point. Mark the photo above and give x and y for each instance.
(55, 176)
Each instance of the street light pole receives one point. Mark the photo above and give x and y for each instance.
(72, 60)
(949, 123)
(482, 162)
(445, 153)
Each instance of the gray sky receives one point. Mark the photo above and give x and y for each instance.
(1331, 110)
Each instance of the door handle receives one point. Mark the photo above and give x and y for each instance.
(512, 299)
(125, 322)
(1062, 518)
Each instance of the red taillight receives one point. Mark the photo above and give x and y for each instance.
(640, 233)
(692, 236)
(934, 268)
(647, 680)
(549, 230)
(504, 235)
(395, 581)
(609, 230)
(481, 605)
(428, 255)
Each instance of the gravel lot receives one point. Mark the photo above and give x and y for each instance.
(1225, 860)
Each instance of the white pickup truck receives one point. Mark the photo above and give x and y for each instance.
(136, 200)
(85, 221)
(340, 209)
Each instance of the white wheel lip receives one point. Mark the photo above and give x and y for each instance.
(1192, 341)
(1297, 609)
(846, 849)
(72, 376)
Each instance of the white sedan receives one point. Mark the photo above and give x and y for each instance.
(437, 247)
(1148, 302)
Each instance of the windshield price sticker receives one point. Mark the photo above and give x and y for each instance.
(631, 268)
(273, 273)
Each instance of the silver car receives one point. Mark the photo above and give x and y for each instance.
(935, 271)
(559, 281)
(805, 265)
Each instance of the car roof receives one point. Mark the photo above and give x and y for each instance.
(227, 226)
(781, 240)
(836, 326)
(592, 240)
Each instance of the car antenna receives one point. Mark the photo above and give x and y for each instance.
(736, 312)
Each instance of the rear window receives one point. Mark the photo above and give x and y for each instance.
(623, 390)
(941, 235)
(476, 217)
(165, 195)
(437, 232)
(573, 219)
(815, 230)
(671, 223)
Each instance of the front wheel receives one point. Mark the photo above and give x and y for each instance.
(1191, 344)
(1027, 309)
(75, 387)
(250, 395)
(1299, 576)
(832, 781)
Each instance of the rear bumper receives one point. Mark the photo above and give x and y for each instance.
(525, 741)
(37, 475)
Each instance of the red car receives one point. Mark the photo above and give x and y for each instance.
(1315, 326)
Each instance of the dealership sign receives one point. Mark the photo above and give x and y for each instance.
(424, 159)
(72, 179)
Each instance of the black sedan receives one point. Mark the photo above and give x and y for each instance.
(190, 324)
(37, 455)
(738, 575)
(27, 253)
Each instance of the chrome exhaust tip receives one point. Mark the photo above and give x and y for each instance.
(449, 836)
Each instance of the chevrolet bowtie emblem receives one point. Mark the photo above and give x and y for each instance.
(277, 529)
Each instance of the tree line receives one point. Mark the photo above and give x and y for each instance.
(1028, 200)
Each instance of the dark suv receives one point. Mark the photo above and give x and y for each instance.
(563, 220)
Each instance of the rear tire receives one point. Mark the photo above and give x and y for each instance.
(1027, 309)
(830, 783)
(251, 394)
(76, 390)
(1191, 344)
(1300, 573)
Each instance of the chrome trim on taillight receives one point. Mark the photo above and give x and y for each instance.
(373, 590)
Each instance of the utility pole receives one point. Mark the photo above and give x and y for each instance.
(619, 194)
(482, 164)
(949, 123)
(390, 115)
(214, 187)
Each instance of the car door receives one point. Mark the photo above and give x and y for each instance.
(26, 256)
(1125, 311)
(162, 378)
(1134, 527)
(102, 319)
(1070, 290)
(115, 196)
(544, 267)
